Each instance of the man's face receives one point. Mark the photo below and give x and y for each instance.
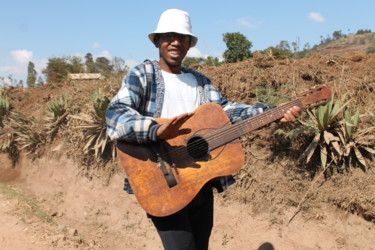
(173, 48)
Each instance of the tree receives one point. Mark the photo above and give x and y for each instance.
(283, 45)
(119, 66)
(90, 65)
(192, 60)
(57, 69)
(337, 34)
(211, 61)
(238, 47)
(277, 53)
(31, 75)
(75, 65)
(40, 81)
(103, 65)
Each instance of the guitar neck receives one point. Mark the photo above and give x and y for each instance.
(227, 134)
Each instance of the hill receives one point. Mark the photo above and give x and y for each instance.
(354, 43)
(59, 197)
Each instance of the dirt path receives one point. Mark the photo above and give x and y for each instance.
(51, 206)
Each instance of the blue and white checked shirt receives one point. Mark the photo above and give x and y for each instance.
(130, 114)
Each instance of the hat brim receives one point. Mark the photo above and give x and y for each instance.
(193, 40)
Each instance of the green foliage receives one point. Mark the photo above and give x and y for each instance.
(74, 65)
(188, 61)
(104, 66)
(57, 69)
(95, 138)
(238, 47)
(337, 34)
(100, 104)
(270, 96)
(31, 75)
(90, 65)
(363, 31)
(277, 53)
(57, 115)
(354, 142)
(4, 104)
(211, 61)
(29, 134)
(283, 45)
(336, 139)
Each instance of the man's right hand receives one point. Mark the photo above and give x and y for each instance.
(171, 128)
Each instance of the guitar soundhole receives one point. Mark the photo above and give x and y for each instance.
(197, 147)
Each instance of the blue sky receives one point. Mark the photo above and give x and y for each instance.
(41, 29)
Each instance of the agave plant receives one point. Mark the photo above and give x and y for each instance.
(28, 134)
(4, 104)
(355, 141)
(94, 127)
(57, 115)
(326, 139)
(8, 143)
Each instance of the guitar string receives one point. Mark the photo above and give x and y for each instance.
(196, 146)
(252, 123)
(231, 130)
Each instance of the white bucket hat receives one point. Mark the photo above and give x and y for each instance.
(177, 21)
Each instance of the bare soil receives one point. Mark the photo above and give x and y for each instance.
(89, 213)
(56, 202)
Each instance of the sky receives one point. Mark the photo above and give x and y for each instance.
(36, 30)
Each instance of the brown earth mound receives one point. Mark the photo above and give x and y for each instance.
(277, 202)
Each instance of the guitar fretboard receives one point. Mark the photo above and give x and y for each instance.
(229, 133)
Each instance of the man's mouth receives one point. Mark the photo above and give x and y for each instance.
(174, 53)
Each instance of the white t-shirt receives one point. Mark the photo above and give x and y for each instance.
(181, 94)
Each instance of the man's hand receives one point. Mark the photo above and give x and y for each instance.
(292, 114)
(171, 128)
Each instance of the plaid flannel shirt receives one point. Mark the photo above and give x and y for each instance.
(131, 112)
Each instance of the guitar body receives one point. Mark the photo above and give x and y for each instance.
(166, 176)
(189, 171)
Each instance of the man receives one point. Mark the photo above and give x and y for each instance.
(168, 90)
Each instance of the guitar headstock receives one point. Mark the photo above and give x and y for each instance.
(315, 97)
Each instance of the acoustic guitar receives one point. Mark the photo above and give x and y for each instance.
(167, 175)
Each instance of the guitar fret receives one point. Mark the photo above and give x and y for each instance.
(273, 114)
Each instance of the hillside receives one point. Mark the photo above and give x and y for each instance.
(59, 197)
(354, 43)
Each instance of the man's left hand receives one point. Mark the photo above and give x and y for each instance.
(292, 114)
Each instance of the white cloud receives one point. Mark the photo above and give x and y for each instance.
(40, 65)
(131, 63)
(11, 70)
(16, 65)
(95, 45)
(21, 56)
(104, 53)
(317, 17)
(244, 22)
(194, 52)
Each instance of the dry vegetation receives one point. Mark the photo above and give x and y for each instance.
(275, 178)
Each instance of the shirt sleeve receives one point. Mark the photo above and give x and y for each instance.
(124, 121)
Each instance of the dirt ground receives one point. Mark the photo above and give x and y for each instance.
(54, 202)
(92, 213)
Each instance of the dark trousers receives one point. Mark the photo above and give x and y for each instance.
(189, 228)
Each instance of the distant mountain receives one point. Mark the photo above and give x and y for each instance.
(355, 43)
